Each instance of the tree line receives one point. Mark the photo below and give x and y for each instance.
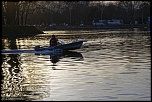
(73, 12)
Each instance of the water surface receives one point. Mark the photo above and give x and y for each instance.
(111, 65)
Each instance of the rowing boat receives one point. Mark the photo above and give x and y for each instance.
(55, 50)
(69, 46)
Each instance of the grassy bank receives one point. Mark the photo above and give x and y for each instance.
(17, 31)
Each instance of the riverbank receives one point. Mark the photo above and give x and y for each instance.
(90, 27)
(20, 31)
(25, 31)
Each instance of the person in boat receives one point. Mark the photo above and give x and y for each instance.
(53, 41)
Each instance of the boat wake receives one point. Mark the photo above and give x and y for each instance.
(16, 51)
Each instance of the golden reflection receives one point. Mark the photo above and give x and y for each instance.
(12, 78)
(19, 84)
(30, 44)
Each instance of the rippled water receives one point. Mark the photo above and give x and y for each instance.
(110, 66)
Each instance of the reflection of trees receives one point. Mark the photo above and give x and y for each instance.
(9, 43)
(14, 85)
(13, 62)
(12, 43)
(12, 72)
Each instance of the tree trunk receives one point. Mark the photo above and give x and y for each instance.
(70, 17)
(17, 14)
(11, 12)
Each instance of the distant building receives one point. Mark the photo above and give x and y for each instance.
(114, 22)
(99, 22)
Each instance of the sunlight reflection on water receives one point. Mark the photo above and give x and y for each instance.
(105, 68)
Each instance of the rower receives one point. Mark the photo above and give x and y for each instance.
(53, 41)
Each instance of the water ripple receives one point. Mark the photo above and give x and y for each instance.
(110, 67)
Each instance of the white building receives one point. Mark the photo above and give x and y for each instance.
(99, 22)
(115, 22)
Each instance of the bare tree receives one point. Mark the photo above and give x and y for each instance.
(30, 8)
(3, 14)
(10, 12)
(71, 12)
(100, 5)
(17, 13)
(70, 5)
(26, 8)
(131, 7)
(54, 6)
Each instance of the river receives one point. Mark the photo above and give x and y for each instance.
(110, 66)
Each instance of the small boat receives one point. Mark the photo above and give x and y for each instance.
(69, 46)
(55, 50)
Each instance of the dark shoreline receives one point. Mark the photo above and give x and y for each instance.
(90, 27)
(19, 31)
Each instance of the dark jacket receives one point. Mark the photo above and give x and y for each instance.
(53, 41)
